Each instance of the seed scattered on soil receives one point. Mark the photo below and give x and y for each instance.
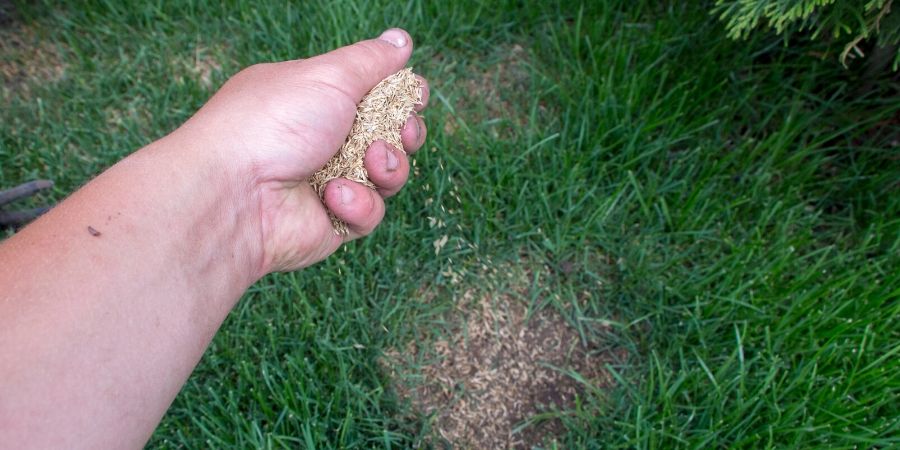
(380, 115)
(482, 386)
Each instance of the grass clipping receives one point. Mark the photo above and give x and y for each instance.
(380, 115)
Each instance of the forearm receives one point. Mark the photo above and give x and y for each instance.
(111, 298)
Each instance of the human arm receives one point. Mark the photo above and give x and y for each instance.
(109, 300)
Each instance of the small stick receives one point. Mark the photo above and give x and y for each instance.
(23, 190)
(18, 218)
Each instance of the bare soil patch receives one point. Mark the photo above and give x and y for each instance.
(26, 59)
(204, 64)
(495, 94)
(483, 385)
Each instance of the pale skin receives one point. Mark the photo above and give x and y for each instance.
(108, 301)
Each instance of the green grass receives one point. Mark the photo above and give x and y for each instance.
(732, 207)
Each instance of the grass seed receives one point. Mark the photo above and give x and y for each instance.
(380, 115)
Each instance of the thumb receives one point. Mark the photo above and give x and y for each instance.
(360, 66)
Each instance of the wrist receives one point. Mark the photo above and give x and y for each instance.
(220, 210)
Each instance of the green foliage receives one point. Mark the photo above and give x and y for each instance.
(847, 22)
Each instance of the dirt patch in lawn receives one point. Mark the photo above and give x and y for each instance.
(204, 64)
(27, 59)
(493, 94)
(483, 385)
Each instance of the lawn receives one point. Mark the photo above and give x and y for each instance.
(716, 222)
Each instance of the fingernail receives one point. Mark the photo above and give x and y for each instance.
(395, 37)
(392, 161)
(347, 195)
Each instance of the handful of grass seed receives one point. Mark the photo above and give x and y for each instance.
(380, 115)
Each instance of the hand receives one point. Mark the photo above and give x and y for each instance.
(274, 125)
